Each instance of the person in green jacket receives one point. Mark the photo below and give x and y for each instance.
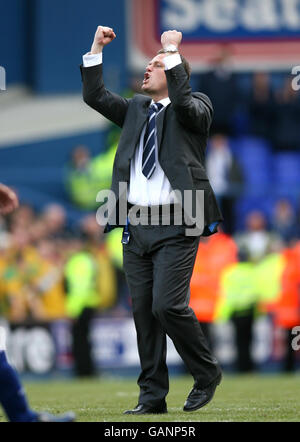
(87, 175)
(238, 302)
(81, 303)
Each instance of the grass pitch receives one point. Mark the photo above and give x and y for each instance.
(254, 398)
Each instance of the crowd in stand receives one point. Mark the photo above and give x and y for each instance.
(261, 104)
(35, 255)
(49, 272)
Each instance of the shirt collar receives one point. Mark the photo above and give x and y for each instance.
(164, 101)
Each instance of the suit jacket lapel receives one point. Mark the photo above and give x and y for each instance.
(141, 118)
(160, 124)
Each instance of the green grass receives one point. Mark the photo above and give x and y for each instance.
(254, 398)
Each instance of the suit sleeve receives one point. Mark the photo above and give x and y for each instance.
(194, 111)
(110, 105)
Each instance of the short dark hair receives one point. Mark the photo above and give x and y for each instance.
(185, 63)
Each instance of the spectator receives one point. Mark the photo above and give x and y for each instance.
(38, 230)
(106, 283)
(225, 176)
(256, 240)
(284, 221)
(238, 300)
(214, 254)
(48, 286)
(86, 176)
(22, 218)
(22, 266)
(82, 301)
(220, 85)
(54, 216)
(78, 178)
(287, 311)
(287, 131)
(261, 107)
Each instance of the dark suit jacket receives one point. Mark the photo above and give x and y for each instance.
(182, 132)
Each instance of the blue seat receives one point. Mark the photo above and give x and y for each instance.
(255, 158)
(286, 168)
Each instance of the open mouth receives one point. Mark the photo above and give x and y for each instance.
(146, 77)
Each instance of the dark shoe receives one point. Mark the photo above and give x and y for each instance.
(199, 397)
(145, 409)
(47, 417)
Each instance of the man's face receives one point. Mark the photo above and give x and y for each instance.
(155, 78)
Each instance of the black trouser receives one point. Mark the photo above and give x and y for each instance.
(158, 263)
(206, 328)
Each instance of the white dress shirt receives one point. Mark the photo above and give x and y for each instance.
(157, 189)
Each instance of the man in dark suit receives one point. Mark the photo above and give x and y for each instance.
(160, 157)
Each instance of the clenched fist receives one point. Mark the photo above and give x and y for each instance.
(103, 36)
(8, 200)
(171, 38)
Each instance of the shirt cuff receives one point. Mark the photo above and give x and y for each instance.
(91, 59)
(171, 61)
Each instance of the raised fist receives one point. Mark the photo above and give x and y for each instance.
(103, 36)
(171, 38)
(8, 200)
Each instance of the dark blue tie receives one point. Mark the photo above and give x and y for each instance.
(149, 154)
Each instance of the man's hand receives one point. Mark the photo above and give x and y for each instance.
(103, 36)
(171, 38)
(8, 200)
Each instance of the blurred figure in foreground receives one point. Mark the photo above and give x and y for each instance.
(12, 396)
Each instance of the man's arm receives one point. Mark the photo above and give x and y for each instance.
(110, 105)
(194, 112)
(8, 200)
